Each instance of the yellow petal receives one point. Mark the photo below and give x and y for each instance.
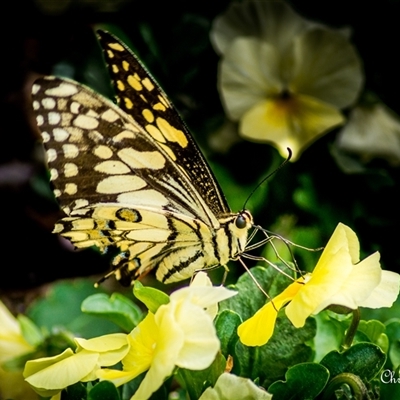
(111, 348)
(294, 122)
(257, 330)
(12, 343)
(332, 270)
(358, 286)
(61, 374)
(386, 293)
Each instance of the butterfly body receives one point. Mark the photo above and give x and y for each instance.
(131, 176)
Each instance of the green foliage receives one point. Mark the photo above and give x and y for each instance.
(116, 308)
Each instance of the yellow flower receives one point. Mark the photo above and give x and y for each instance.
(339, 278)
(179, 334)
(12, 345)
(49, 375)
(282, 77)
(371, 132)
(231, 387)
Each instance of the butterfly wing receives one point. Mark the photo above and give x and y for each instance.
(121, 187)
(139, 95)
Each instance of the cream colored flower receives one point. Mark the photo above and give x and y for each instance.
(282, 77)
(49, 375)
(12, 345)
(371, 132)
(339, 278)
(232, 387)
(179, 334)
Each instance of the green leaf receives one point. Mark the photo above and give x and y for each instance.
(363, 359)
(393, 332)
(116, 308)
(303, 382)
(288, 345)
(74, 392)
(30, 331)
(151, 297)
(62, 308)
(286, 348)
(195, 382)
(226, 324)
(330, 334)
(375, 331)
(104, 391)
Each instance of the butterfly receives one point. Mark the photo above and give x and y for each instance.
(130, 176)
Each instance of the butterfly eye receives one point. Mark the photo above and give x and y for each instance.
(241, 221)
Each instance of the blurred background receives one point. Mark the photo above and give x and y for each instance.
(304, 201)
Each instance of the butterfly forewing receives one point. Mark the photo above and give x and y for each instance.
(127, 176)
(139, 95)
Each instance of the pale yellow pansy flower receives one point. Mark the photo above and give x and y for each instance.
(49, 375)
(232, 387)
(283, 78)
(179, 334)
(12, 345)
(339, 278)
(371, 132)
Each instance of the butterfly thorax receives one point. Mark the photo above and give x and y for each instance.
(211, 248)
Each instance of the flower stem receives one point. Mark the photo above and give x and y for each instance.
(351, 332)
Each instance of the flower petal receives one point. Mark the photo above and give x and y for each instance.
(327, 67)
(293, 122)
(257, 330)
(274, 22)
(372, 132)
(61, 371)
(249, 72)
(229, 386)
(386, 293)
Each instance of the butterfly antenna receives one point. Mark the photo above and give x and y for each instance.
(269, 176)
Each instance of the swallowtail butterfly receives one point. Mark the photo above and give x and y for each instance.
(131, 176)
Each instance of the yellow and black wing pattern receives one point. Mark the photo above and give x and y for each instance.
(132, 177)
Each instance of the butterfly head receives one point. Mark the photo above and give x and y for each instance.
(244, 220)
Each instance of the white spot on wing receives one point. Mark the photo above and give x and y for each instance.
(85, 122)
(48, 103)
(110, 115)
(39, 120)
(53, 174)
(144, 197)
(60, 135)
(63, 90)
(70, 170)
(70, 150)
(35, 88)
(119, 184)
(142, 159)
(103, 152)
(54, 118)
(51, 155)
(71, 188)
(112, 167)
(45, 137)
